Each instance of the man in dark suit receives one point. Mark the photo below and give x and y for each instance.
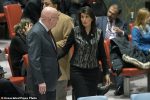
(113, 22)
(113, 27)
(43, 71)
(32, 10)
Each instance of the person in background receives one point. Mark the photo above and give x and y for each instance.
(6, 2)
(18, 46)
(88, 50)
(43, 73)
(74, 6)
(60, 33)
(32, 10)
(112, 27)
(141, 31)
(99, 7)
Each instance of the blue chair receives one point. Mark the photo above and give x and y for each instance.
(93, 98)
(141, 96)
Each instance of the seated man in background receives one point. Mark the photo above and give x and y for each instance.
(18, 46)
(113, 27)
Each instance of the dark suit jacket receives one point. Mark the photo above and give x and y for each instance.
(32, 10)
(43, 64)
(18, 48)
(101, 23)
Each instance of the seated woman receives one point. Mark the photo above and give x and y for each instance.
(18, 46)
(141, 31)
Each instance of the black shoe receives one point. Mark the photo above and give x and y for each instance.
(102, 89)
(118, 91)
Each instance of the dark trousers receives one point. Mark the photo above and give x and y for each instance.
(119, 81)
(49, 95)
(84, 81)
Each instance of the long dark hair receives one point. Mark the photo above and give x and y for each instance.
(87, 10)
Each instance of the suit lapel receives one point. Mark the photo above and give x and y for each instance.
(49, 38)
(104, 22)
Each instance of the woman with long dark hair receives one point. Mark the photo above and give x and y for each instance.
(88, 50)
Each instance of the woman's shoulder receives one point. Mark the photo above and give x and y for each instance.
(135, 29)
(15, 38)
(18, 39)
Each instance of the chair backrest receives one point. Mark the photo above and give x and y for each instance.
(2, 17)
(93, 98)
(141, 96)
(15, 80)
(130, 37)
(13, 13)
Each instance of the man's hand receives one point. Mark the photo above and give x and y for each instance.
(118, 30)
(42, 88)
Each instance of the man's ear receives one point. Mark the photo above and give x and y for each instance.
(56, 6)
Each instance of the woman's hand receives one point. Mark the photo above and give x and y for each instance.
(107, 79)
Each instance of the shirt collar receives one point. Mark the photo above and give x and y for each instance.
(44, 25)
(113, 22)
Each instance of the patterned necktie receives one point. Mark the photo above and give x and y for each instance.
(108, 30)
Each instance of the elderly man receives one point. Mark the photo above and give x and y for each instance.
(43, 73)
(61, 32)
